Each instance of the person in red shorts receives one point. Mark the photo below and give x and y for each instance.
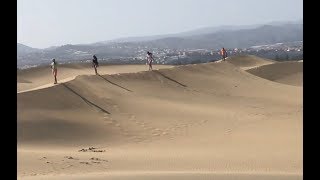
(223, 53)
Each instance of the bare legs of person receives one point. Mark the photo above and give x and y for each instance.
(54, 72)
(150, 67)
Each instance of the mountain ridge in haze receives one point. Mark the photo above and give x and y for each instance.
(24, 49)
(198, 31)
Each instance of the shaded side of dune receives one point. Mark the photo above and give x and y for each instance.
(290, 73)
(248, 61)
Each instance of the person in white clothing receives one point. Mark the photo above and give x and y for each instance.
(149, 60)
(54, 70)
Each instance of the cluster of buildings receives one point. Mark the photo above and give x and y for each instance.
(279, 51)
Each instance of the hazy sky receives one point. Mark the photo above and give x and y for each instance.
(44, 23)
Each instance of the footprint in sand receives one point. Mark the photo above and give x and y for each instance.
(142, 124)
(177, 127)
(87, 163)
(68, 166)
(146, 128)
(95, 162)
(228, 131)
(106, 117)
(172, 129)
(109, 122)
(70, 157)
(132, 117)
(184, 125)
(43, 158)
(164, 133)
(91, 149)
(98, 159)
(126, 133)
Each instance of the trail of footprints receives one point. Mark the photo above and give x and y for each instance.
(176, 129)
(180, 128)
(68, 162)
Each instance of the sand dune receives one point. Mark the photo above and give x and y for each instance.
(206, 121)
(41, 77)
(284, 72)
(248, 61)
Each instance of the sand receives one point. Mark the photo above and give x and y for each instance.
(283, 72)
(205, 121)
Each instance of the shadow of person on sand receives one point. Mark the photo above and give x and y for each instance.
(114, 83)
(85, 99)
(158, 72)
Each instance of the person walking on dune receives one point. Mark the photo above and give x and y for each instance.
(149, 60)
(54, 70)
(223, 53)
(95, 63)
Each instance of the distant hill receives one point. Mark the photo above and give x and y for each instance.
(199, 31)
(23, 49)
(267, 34)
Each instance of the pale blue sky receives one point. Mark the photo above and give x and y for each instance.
(44, 23)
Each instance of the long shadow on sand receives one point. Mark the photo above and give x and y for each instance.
(86, 100)
(114, 83)
(158, 72)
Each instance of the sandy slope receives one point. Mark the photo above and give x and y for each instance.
(248, 61)
(283, 72)
(207, 121)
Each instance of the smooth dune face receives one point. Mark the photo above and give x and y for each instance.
(249, 61)
(282, 72)
(212, 120)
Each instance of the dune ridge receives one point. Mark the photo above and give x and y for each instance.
(249, 61)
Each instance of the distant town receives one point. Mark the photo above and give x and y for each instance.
(278, 52)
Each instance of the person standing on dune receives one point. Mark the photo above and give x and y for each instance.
(223, 53)
(95, 63)
(149, 60)
(54, 70)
